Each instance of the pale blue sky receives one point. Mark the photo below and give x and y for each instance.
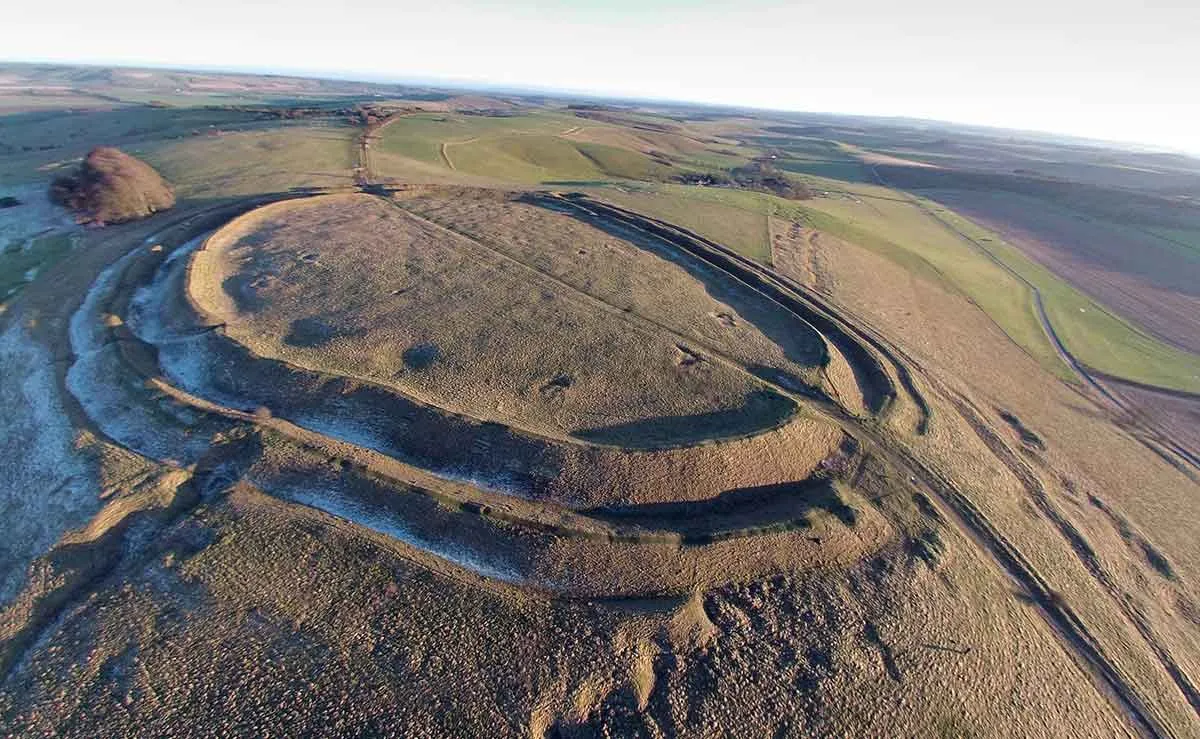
(1113, 69)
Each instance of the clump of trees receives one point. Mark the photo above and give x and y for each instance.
(758, 175)
(111, 186)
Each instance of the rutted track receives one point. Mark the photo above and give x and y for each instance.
(1078, 544)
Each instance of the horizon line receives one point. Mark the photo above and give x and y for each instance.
(523, 89)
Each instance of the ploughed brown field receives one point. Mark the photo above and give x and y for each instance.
(1152, 278)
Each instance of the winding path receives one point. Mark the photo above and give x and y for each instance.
(1162, 439)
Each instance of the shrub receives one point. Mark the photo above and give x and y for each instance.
(112, 187)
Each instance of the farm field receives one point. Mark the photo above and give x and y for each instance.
(469, 413)
(542, 148)
(912, 235)
(35, 143)
(1091, 330)
(249, 162)
(1150, 277)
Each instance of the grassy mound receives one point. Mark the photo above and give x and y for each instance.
(113, 187)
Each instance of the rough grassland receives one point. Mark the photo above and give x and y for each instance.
(247, 163)
(1090, 467)
(353, 285)
(739, 223)
(230, 572)
(627, 274)
(902, 230)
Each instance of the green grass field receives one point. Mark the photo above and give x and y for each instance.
(898, 228)
(1096, 336)
(421, 136)
(525, 149)
(737, 222)
(535, 158)
(20, 262)
(834, 169)
(250, 162)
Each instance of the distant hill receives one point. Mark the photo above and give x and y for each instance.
(113, 187)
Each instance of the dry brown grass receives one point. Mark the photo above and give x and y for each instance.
(869, 613)
(1087, 468)
(254, 615)
(596, 473)
(353, 286)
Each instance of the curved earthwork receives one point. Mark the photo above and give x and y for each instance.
(526, 390)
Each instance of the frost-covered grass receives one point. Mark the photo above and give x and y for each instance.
(389, 523)
(46, 486)
(33, 235)
(34, 216)
(149, 318)
(185, 361)
(359, 430)
(121, 410)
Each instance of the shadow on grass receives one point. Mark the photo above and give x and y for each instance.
(762, 410)
(799, 342)
(762, 508)
(579, 183)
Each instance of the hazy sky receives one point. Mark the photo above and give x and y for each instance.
(1114, 69)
